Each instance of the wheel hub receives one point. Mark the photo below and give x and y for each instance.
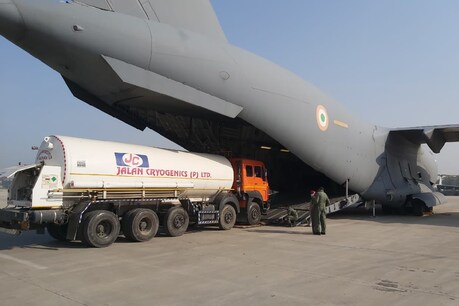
(179, 221)
(144, 225)
(102, 229)
(228, 217)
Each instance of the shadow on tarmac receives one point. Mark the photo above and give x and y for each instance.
(31, 240)
(446, 219)
(272, 231)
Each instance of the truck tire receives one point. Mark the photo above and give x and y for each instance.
(100, 228)
(227, 217)
(177, 221)
(253, 213)
(57, 231)
(140, 224)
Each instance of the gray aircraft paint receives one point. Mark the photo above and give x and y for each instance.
(183, 63)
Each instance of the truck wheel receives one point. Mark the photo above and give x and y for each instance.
(58, 232)
(100, 228)
(177, 221)
(227, 217)
(253, 213)
(140, 224)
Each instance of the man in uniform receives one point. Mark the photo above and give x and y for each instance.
(292, 216)
(322, 201)
(314, 213)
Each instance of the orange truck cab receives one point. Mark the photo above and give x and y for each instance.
(252, 188)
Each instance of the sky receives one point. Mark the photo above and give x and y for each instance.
(394, 63)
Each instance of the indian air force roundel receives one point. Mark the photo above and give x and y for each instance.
(322, 118)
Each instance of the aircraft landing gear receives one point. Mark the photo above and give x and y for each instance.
(419, 208)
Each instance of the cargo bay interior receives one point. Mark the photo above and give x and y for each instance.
(212, 133)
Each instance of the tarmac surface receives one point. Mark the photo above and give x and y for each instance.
(363, 260)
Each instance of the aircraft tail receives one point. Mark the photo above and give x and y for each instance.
(194, 15)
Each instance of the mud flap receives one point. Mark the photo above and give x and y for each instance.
(75, 220)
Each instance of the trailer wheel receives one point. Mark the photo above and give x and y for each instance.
(253, 213)
(58, 232)
(140, 224)
(100, 228)
(227, 217)
(177, 221)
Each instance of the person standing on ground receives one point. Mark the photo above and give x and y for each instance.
(322, 201)
(314, 208)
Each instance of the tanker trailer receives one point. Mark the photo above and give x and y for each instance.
(89, 190)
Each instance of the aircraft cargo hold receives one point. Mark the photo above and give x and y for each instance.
(93, 190)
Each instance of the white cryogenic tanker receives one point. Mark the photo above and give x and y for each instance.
(81, 189)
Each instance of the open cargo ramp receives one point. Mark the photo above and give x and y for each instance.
(276, 215)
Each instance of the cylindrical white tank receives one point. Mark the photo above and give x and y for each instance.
(94, 164)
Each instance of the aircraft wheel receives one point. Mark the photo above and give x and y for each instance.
(418, 208)
(253, 213)
(227, 217)
(100, 228)
(140, 224)
(57, 231)
(177, 221)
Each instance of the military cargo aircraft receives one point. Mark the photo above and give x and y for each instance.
(167, 65)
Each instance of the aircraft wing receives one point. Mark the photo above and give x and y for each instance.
(156, 83)
(194, 15)
(434, 136)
